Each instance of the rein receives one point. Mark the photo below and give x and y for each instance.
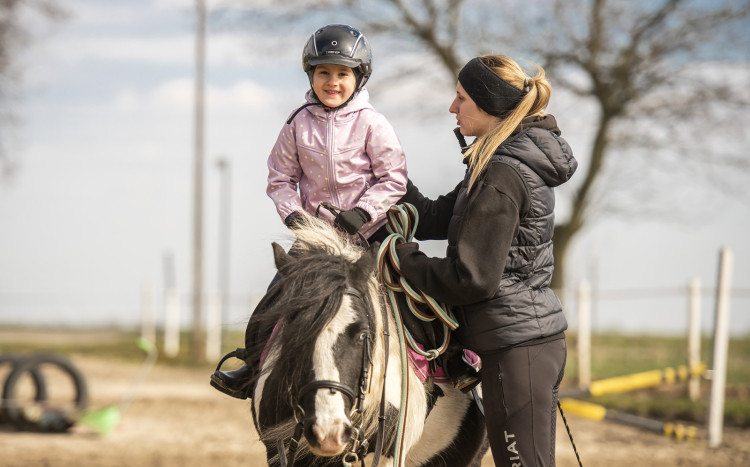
(402, 225)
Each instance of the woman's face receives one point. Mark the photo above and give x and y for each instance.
(333, 84)
(472, 120)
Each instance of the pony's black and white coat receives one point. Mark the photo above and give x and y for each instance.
(322, 331)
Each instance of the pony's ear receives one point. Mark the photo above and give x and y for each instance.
(366, 264)
(280, 256)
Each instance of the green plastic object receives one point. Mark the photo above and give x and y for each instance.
(144, 345)
(102, 421)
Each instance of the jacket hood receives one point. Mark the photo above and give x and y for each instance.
(538, 144)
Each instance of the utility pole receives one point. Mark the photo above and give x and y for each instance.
(198, 347)
(225, 200)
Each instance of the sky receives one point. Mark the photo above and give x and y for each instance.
(102, 202)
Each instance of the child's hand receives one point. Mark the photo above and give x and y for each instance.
(293, 220)
(351, 221)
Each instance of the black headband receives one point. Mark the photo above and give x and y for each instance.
(489, 91)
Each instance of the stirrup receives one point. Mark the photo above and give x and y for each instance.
(219, 382)
(238, 353)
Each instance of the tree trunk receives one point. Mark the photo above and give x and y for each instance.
(564, 233)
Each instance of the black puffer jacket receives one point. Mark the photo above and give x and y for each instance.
(499, 261)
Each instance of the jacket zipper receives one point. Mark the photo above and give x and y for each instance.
(332, 186)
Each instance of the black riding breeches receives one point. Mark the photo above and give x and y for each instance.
(520, 387)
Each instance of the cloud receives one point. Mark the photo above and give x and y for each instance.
(177, 95)
(121, 32)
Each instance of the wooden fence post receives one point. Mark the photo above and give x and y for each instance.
(213, 327)
(171, 323)
(694, 337)
(148, 314)
(584, 334)
(720, 350)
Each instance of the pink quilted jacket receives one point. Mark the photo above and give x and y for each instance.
(349, 157)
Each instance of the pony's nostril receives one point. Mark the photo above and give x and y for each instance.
(347, 434)
(320, 435)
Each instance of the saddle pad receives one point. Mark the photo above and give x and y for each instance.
(421, 365)
(266, 348)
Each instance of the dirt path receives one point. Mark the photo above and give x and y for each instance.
(177, 419)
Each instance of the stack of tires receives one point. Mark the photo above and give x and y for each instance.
(42, 392)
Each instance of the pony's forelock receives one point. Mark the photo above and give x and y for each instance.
(317, 234)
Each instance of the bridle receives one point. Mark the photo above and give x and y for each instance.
(359, 444)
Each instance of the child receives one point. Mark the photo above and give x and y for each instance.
(334, 149)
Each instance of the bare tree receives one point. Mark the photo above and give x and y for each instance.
(643, 65)
(15, 37)
(658, 74)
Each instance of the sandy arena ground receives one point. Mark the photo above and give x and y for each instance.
(177, 419)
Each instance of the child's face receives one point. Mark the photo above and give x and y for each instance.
(333, 84)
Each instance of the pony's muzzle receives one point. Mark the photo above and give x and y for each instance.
(328, 439)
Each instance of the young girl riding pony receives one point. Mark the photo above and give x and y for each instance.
(335, 150)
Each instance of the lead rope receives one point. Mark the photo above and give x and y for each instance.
(570, 435)
(402, 224)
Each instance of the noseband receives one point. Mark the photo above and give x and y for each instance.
(359, 444)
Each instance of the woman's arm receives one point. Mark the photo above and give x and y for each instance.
(488, 226)
(434, 216)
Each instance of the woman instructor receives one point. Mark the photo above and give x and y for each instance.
(499, 222)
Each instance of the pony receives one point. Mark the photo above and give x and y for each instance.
(331, 390)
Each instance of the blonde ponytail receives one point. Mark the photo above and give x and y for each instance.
(533, 103)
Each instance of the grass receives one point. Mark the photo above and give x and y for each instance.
(105, 343)
(612, 355)
(619, 355)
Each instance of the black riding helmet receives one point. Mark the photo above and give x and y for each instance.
(338, 44)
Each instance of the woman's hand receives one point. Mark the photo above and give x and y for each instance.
(403, 249)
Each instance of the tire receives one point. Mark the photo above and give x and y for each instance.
(40, 386)
(49, 419)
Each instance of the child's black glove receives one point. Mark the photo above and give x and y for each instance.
(293, 220)
(351, 221)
